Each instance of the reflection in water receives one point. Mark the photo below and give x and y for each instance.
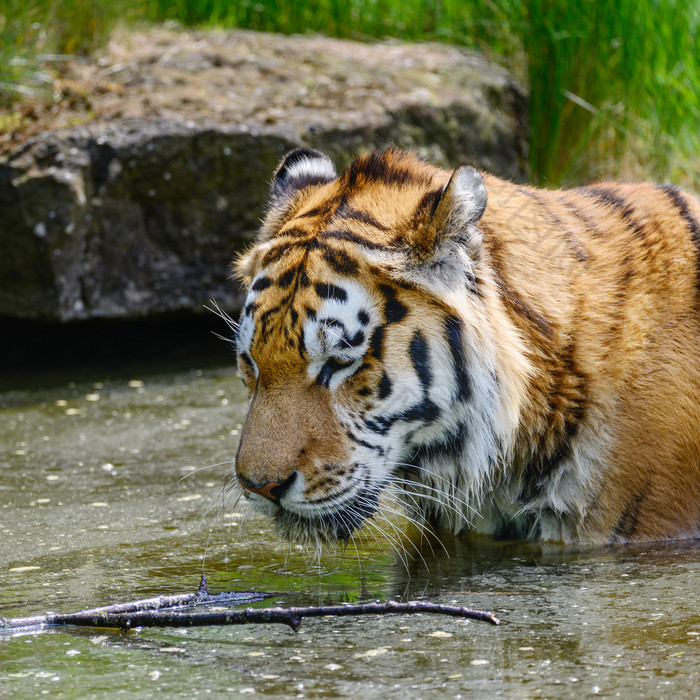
(94, 509)
(455, 560)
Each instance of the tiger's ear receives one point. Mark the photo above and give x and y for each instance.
(443, 247)
(300, 168)
(462, 203)
(447, 218)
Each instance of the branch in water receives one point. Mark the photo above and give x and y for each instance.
(161, 602)
(149, 613)
(287, 616)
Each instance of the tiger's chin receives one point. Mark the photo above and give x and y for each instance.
(328, 526)
(314, 532)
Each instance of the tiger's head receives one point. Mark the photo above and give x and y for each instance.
(360, 345)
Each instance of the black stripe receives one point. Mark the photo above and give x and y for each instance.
(376, 342)
(612, 199)
(341, 262)
(322, 210)
(363, 317)
(274, 254)
(368, 445)
(247, 360)
(283, 247)
(294, 232)
(345, 211)
(301, 343)
(449, 445)
(578, 250)
(344, 262)
(264, 317)
(260, 284)
(330, 291)
(453, 330)
(515, 302)
(428, 204)
(310, 213)
(341, 235)
(425, 411)
(331, 366)
(287, 278)
(543, 466)
(394, 310)
(250, 308)
(605, 195)
(420, 359)
(380, 424)
(629, 520)
(379, 167)
(679, 200)
(385, 386)
(567, 408)
(582, 216)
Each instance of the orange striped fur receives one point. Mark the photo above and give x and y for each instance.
(509, 360)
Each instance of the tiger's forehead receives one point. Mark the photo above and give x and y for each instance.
(374, 210)
(371, 203)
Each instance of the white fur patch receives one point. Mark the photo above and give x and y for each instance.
(317, 168)
(468, 195)
(336, 321)
(244, 337)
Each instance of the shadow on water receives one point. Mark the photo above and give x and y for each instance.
(40, 355)
(456, 561)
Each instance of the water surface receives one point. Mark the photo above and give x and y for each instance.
(104, 497)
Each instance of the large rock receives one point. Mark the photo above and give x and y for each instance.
(139, 208)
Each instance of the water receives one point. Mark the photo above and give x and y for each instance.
(104, 498)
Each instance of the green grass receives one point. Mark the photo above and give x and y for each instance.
(615, 84)
(37, 34)
(22, 40)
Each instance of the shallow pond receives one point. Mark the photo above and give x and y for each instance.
(111, 490)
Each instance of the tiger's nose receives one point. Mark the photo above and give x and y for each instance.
(272, 490)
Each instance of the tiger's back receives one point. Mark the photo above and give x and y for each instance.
(515, 361)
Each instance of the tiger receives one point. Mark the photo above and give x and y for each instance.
(508, 361)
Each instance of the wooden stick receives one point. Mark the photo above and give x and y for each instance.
(146, 604)
(149, 612)
(287, 616)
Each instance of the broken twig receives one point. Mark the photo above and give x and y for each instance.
(151, 613)
(161, 602)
